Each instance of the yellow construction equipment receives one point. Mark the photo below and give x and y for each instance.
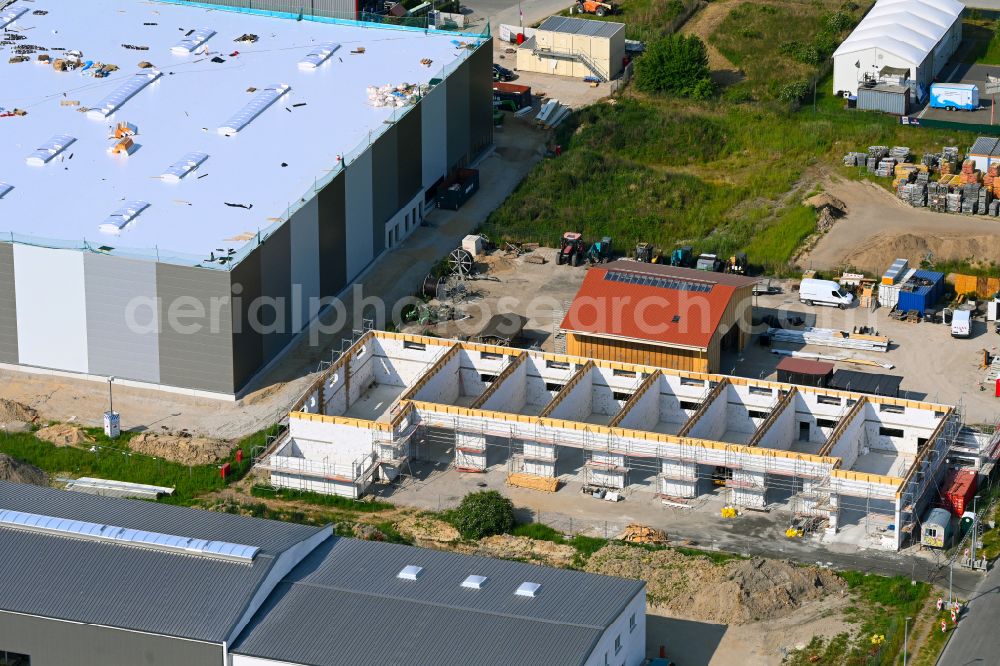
(728, 512)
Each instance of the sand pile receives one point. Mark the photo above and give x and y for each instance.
(14, 470)
(426, 531)
(736, 592)
(505, 546)
(64, 434)
(15, 412)
(186, 450)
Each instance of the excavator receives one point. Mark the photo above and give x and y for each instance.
(600, 252)
(646, 253)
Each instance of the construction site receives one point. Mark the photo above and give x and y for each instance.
(858, 468)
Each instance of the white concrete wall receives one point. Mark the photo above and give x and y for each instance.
(341, 443)
(314, 484)
(443, 386)
(645, 413)
(510, 395)
(848, 445)
(782, 431)
(395, 365)
(411, 213)
(633, 640)
(51, 308)
(915, 424)
(576, 404)
(358, 204)
(712, 423)
(685, 389)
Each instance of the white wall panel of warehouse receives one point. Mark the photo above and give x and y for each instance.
(51, 308)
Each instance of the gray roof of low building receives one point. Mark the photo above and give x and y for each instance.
(575, 26)
(132, 587)
(986, 145)
(352, 586)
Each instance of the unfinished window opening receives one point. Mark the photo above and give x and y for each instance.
(490, 356)
(487, 378)
(619, 395)
(690, 405)
(551, 386)
(624, 373)
(761, 390)
(851, 402)
(691, 381)
(826, 423)
(921, 442)
(416, 346)
(829, 400)
(756, 414)
(891, 409)
(557, 365)
(803, 431)
(891, 432)
(938, 415)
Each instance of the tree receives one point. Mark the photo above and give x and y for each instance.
(482, 514)
(675, 65)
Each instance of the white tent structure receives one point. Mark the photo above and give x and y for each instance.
(914, 35)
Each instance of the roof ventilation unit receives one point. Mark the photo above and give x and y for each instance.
(49, 149)
(528, 590)
(192, 41)
(119, 219)
(320, 54)
(410, 572)
(183, 167)
(474, 582)
(4, 189)
(9, 16)
(256, 106)
(123, 93)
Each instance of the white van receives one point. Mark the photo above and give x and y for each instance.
(824, 292)
(961, 323)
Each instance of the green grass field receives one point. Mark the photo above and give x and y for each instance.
(644, 20)
(724, 175)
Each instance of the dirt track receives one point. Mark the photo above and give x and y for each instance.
(878, 229)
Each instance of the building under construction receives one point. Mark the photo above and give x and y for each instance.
(840, 458)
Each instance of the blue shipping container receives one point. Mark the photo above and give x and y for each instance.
(922, 298)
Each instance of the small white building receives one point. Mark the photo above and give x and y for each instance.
(914, 35)
(574, 47)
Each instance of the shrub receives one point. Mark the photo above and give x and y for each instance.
(675, 65)
(793, 92)
(483, 514)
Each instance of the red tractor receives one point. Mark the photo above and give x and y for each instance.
(572, 249)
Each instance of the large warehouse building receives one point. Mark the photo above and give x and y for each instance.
(915, 36)
(181, 185)
(659, 315)
(111, 582)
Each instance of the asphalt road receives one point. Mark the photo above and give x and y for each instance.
(977, 641)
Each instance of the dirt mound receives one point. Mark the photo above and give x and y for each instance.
(505, 546)
(737, 592)
(63, 434)
(885, 248)
(14, 412)
(14, 470)
(427, 532)
(186, 450)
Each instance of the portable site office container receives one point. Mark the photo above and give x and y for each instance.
(885, 97)
(936, 530)
(921, 291)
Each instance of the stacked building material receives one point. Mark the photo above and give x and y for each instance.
(937, 197)
(970, 198)
(969, 172)
(871, 164)
(886, 167)
(916, 194)
(901, 153)
(950, 153)
(828, 337)
(878, 152)
(991, 179)
(995, 208)
(984, 200)
(402, 94)
(931, 160)
(954, 204)
(923, 177)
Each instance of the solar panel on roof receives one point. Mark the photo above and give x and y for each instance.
(11, 15)
(183, 166)
(191, 42)
(45, 152)
(119, 219)
(320, 54)
(4, 189)
(256, 106)
(123, 93)
(127, 536)
(656, 281)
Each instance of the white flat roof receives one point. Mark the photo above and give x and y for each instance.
(302, 115)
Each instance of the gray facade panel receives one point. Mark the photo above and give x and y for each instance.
(248, 341)
(333, 237)
(275, 314)
(8, 306)
(385, 190)
(55, 643)
(480, 66)
(122, 335)
(459, 125)
(409, 155)
(196, 331)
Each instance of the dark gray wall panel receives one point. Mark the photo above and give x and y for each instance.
(122, 318)
(409, 155)
(332, 237)
(248, 342)
(458, 116)
(276, 286)
(196, 342)
(54, 643)
(8, 306)
(480, 66)
(385, 183)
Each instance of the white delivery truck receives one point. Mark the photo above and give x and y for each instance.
(961, 323)
(824, 292)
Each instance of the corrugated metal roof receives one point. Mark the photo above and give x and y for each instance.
(353, 586)
(271, 536)
(866, 382)
(652, 312)
(804, 366)
(909, 29)
(575, 26)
